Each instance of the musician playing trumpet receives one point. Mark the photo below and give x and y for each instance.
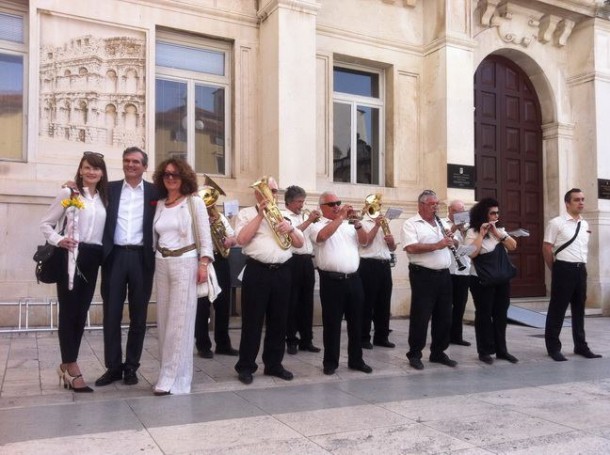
(266, 282)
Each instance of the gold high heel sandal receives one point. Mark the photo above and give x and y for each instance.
(69, 383)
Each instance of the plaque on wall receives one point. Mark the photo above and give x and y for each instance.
(603, 189)
(460, 176)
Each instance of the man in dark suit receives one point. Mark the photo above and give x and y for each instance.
(128, 266)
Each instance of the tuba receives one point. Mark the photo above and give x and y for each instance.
(372, 208)
(210, 194)
(272, 213)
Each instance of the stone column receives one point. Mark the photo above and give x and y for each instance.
(288, 90)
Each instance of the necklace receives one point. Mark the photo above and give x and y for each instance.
(173, 201)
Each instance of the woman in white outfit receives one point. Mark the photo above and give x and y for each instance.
(179, 267)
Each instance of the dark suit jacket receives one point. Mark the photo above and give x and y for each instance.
(151, 195)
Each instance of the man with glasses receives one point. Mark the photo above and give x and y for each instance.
(336, 249)
(265, 288)
(128, 266)
(427, 247)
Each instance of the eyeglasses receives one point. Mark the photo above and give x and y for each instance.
(170, 175)
(494, 212)
(332, 204)
(99, 155)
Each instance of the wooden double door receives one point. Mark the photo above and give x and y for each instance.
(508, 162)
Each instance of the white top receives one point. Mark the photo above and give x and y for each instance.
(339, 253)
(263, 247)
(296, 221)
(457, 235)
(560, 230)
(418, 230)
(91, 219)
(487, 245)
(130, 217)
(173, 228)
(377, 249)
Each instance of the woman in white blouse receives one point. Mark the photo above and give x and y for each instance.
(179, 267)
(491, 302)
(74, 293)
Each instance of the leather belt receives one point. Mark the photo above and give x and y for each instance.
(270, 266)
(166, 252)
(382, 261)
(337, 275)
(130, 247)
(574, 265)
(419, 268)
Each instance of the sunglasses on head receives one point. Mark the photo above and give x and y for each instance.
(332, 204)
(99, 155)
(170, 175)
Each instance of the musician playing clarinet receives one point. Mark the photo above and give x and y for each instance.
(428, 249)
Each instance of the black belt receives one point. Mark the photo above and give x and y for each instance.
(303, 255)
(381, 261)
(272, 266)
(130, 247)
(573, 265)
(419, 268)
(337, 275)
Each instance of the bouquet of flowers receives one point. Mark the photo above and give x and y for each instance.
(72, 205)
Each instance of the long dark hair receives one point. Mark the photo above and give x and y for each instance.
(478, 212)
(95, 160)
(188, 184)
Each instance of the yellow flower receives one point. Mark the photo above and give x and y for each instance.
(73, 202)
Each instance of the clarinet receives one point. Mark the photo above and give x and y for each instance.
(459, 263)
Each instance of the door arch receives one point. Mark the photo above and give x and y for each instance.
(508, 162)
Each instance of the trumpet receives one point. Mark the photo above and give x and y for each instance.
(459, 263)
(272, 213)
(306, 213)
(372, 208)
(210, 194)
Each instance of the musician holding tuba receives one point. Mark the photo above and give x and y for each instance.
(300, 313)
(263, 235)
(223, 238)
(376, 274)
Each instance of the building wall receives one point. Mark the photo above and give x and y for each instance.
(281, 100)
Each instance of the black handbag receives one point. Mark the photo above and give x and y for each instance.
(495, 267)
(48, 263)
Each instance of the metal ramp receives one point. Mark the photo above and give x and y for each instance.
(531, 318)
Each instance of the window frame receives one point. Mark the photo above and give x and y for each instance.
(193, 78)
(358, 100)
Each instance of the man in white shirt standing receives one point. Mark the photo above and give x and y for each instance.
(565, 249)
(429, 259)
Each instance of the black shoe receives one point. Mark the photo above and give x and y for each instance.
(384, 343)
(587, 353)
(227, 351)
(309, 348)
(506, 356)
(245, 378)
(557, 356)
(109, 377)
(329, 371)
(461, 342)
(280, 373)
(416, 363)
(206, 354)
(161, 393)
(486, 358)
(130, 377)
(366, 345)
(291, 349)
(443, 359)
(362, 367)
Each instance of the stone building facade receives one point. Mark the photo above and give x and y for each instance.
(514, 93)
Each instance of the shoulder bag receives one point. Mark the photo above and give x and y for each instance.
(494, 267)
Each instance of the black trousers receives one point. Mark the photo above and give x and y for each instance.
(491, 305)
(125, 275)
(74, 304)
(265, 299)
(300, 312)
(222, 311)
(338, 298)
(460, 284)
(430, 299)
(376, 277)
(569, 286)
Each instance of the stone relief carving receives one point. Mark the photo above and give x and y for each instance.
(411, 3)
(92, 91)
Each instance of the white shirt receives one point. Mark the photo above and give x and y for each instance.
(466, 261)
(487, 245)
(296, 221)
(560, 230)
(91, 219)
(417, 230)
(263, 247)
(378, 248)
(338, 253)
(130, 218)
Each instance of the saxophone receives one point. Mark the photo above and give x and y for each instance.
(210, 194)
(272, 213)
